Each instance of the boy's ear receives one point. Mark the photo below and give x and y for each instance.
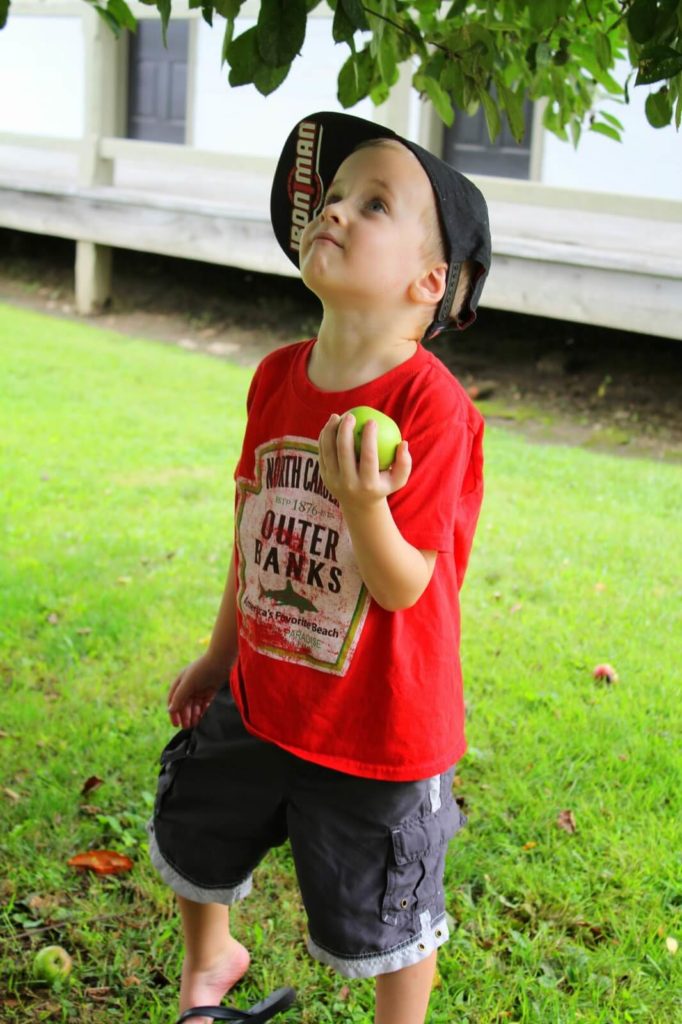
(429, 288)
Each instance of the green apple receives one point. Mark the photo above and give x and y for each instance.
(52, 964)
(388, 432)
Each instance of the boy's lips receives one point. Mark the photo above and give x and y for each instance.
(325, 236)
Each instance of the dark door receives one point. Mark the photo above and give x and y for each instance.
(467, 147)
(157, 84)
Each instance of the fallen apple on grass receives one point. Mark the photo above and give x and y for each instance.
(52, 964)
(388, 433)
(605, 673)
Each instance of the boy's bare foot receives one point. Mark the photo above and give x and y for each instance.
(206, 987)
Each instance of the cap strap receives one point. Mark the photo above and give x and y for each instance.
(445, 307)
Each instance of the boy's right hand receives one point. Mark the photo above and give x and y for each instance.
(193, 690)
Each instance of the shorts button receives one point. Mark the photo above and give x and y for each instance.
(404, 903)
(421, 947)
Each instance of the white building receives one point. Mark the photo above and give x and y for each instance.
(123, 143)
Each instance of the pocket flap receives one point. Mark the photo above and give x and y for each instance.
(413, 839)
(176, 748)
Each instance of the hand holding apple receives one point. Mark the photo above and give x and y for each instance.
(388, 433)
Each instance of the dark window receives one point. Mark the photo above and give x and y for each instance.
(468, 148)
(157, 84)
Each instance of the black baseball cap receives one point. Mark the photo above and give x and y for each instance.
(311, 156)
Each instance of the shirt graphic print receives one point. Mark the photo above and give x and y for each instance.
(300, 595)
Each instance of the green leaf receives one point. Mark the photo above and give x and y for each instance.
(641, 20)
(124, 16)
(605, 129)
(576, 131)
(553, 122)
(658, 108)
(543, 14)
(678, 113)
(585, 54)
(355, 13)
(457, 8)
(355, 78)
(281, 30)
(111, 22)
(437, 95)
(343, 29)
(386, 59)
(379, 94)
(4, 12)
(243, 58)
(452, 80)
(602, 50)
(267, 79)
(207, 14)
(411, 40)
(164, 7)
(492, 114)
(228, 8)
(227, 39)
(657, 63)
(512, 102)
(612, 120)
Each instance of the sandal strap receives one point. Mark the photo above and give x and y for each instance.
(277, 1001)
(215, 1012)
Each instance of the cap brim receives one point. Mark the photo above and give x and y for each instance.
(310, 158)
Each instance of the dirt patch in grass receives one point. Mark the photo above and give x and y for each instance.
(552, 380)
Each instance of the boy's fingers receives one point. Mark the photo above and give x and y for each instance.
(402, 466)
(369, 454)
(327, 444)
(345, 447)
(173, 689)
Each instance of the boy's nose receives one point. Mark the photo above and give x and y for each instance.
(334, 213)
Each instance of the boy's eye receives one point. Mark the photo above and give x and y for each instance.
(376, 205)
(331, 197)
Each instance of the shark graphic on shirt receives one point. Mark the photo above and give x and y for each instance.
(287, 595)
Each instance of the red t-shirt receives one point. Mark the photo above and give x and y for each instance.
(323, 671)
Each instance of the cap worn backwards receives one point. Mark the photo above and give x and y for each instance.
(311, 157)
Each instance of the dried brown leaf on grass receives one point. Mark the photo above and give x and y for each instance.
(91, 783)
(566, 821)
(102, 862)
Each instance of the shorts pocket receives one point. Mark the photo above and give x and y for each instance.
(172, 756)
(416, 861)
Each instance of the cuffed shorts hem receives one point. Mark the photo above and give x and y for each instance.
(368, 965)
(190, 890)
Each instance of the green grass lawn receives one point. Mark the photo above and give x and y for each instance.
(116, 493)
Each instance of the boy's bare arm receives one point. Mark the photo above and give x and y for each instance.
(223, 644)
(394, 571)
(195, 687)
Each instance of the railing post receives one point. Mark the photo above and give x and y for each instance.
(93, 261)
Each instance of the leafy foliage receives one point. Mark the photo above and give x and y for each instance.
(470, 53)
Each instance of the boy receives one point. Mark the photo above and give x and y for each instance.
(339, 624)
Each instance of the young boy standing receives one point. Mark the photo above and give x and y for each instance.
(338, 629)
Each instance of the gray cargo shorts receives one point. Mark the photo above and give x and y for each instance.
(369, 854)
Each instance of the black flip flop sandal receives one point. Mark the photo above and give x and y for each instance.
(277, 1001)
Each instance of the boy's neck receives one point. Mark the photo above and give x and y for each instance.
(352, 350)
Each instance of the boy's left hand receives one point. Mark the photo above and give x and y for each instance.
(359, 482)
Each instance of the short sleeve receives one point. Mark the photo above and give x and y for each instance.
(438, 507)
(250, 398)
